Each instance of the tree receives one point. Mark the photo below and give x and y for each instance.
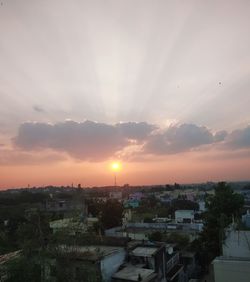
(23, 269)
(111, 214)
(221, 208)
(155, 236)
(181, 240)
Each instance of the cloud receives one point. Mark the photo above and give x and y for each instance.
(95, 141)
(176, 139)
(136, 131)
(17, 157)
(82, 140)
(224, 155)
(220, 136)
(238, 139)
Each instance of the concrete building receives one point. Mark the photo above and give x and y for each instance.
(202, 206)
(65, 207)
(86, 263)
(70, 225)
(237, 243)
(234, 264)
(189, 262)
(246, 219)
(134, 274)
(184, 216)
(127, 216)
(131, 203)
(136, 196)
(151, 263)
(231, 269)
(73, 226)
(141, 231)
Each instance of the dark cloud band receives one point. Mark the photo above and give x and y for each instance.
(95, 141)
(82, 140)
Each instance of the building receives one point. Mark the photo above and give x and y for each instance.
(131, 203)
(136, 196)
(202, 206)
(65, 207)
(85, 263)
(231, 269)
(188, 259)
(142, 231)
(184, 216)
(127, 216)
(161, 219)
(73, 226)
(133, 273)
(149, 262)
(246, 219)
(234, 264)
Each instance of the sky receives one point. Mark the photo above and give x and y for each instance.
(161, 86)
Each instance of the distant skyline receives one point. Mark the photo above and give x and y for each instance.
(161, 86)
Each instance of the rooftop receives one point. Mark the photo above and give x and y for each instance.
(144, 251)
(131, 273)
(235, 259)
(184, 211)
(91, 253)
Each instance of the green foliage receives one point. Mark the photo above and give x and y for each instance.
(221, 207)
(183, 204)
(5, 244)
(34, 232)
(149, 203)
(225, 201)
(23, 269)
(182, 241)
(156, 236)
(148, 219)
(23, 197)
(95, 206)
(111, 214)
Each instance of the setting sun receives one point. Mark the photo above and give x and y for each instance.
(116, 166)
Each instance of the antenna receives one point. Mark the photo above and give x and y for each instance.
(115, 179)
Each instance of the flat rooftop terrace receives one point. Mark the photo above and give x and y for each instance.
(131, 273)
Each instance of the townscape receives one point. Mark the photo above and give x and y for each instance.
(161, 233)
(124, 141)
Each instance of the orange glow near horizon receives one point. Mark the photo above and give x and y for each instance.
(193, 167)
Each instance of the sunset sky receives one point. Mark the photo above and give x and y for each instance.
(162, 86)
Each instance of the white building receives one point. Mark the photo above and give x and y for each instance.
(202, 206)
(184, 216)
(246, 219)
(234, 265)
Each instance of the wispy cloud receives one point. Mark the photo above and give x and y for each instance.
(14, 157)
